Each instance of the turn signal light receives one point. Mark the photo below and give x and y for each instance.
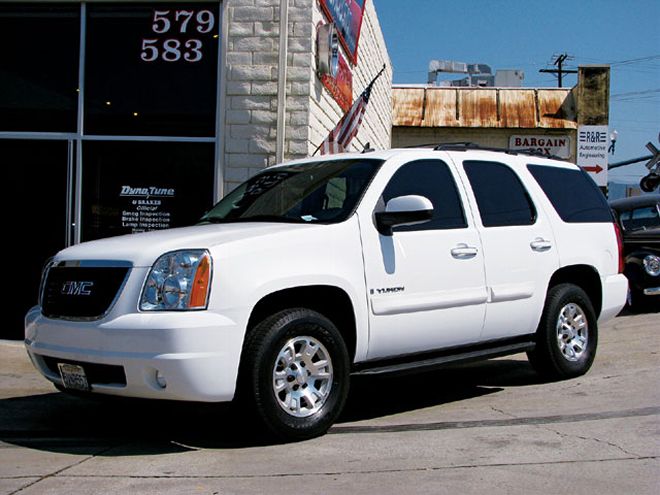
(200, 286)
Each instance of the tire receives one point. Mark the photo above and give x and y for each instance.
(567, 335)
(281, 381)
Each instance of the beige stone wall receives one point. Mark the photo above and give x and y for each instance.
(249, 122)
(372, 54)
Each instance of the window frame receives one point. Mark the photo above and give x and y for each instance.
(77, 139)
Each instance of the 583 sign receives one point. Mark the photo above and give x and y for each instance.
(189, 27)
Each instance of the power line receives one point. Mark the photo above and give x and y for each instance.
(560, 71)
(632, 93)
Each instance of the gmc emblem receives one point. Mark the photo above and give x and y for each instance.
(76, 288)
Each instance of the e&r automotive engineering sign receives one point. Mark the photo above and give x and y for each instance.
(592, 147)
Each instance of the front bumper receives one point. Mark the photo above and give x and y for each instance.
(196, 352)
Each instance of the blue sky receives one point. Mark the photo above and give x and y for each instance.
(525, 34)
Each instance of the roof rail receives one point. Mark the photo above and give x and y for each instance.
(466, 145)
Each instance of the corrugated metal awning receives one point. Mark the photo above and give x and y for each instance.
(484, 107)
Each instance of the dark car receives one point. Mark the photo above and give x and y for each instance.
(639, 218)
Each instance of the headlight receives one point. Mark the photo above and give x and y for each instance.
(179, 280)
(652, 265)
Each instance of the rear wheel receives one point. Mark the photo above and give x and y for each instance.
(567, 336)
(295, 373)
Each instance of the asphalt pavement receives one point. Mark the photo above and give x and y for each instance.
(490, 427)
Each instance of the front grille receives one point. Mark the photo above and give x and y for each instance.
(100, 374)
(81, 291)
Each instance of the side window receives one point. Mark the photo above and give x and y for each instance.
(433, 180)
(501, 197)
(574, 196)
(643, 218)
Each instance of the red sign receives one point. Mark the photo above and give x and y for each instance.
(340, 86)
(347, 17)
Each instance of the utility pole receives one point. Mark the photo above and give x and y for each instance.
(560, 71)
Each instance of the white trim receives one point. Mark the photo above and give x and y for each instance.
(77, 210)
(221, 83)
(179, 139)
(69, 191)
(46, 136)
(281, 81)
(43, 136)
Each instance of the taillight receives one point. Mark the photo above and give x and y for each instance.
(619, 242)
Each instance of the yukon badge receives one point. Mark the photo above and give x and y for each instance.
(77, 288)
(387, 290)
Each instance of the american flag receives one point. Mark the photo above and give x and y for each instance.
(340, 137)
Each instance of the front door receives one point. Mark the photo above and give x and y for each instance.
(425, 283)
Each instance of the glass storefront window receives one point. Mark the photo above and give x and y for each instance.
(131, 187)
(149, 77)
(39, 67)
(35, 216)
(151, 69)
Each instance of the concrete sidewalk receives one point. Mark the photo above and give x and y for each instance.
(490, 427)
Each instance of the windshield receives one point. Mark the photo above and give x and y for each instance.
(315, 192)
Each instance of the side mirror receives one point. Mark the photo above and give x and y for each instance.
(403, 210)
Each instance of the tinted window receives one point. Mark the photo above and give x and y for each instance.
(501, 197)
(640, 218)
(39, 67)
(131, 187)
(573, 194)
(151, 69)
(433, 180)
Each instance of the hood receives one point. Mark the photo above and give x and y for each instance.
(143, 249)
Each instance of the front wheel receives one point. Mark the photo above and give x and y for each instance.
(295, 373)
(567, 335)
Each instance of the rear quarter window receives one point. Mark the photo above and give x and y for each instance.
(573, 194)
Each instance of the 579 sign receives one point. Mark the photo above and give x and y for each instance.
(175, 23)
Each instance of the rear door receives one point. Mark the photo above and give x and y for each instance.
(425, 283)
(519, 247)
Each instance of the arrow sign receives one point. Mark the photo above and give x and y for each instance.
(592, 153)
(596, 169)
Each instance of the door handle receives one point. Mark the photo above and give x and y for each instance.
(463, 251)
(540, 245)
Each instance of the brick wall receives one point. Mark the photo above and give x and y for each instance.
(249, 123)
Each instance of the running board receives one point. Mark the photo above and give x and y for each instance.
(430, 363)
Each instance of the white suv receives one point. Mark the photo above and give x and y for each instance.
(391, 261)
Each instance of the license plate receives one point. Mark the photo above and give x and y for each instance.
(73, 376)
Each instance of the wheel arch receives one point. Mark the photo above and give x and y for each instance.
(584, 276)
(330, 301)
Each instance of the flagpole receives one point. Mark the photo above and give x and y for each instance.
(365, 89)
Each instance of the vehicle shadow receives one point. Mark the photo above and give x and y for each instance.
(59, 422)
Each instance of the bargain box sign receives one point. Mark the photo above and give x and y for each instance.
(559, 146)
(347, 17)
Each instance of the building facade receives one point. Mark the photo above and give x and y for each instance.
(544, 119)
(123, 117)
